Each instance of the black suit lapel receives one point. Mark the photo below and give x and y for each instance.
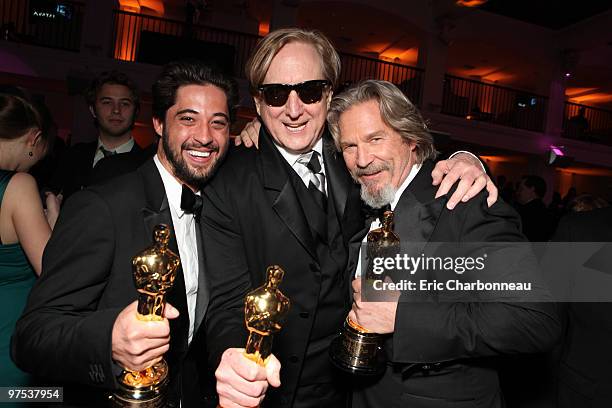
(135, 148)
(338, 180)
(90, 152)
(203, 293)
(416, 215)
(343, 191)
(417, 212)
(354, 246)
(152, 218)
(158, 212)
(285, 200)
(86, 163)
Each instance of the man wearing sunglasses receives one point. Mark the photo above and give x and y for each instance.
(292, 203)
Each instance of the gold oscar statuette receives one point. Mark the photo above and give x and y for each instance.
(265, 310)
(356, 349)
(154, 272)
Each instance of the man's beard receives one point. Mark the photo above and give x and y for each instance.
(181, 170)
(378, 198)
(375, 198)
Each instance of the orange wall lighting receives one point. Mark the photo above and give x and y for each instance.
(470, 3)
(264, 28)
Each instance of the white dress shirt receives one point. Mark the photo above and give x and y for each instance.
(124, 148)
(185, 232)
(292, 159)
(376, 223)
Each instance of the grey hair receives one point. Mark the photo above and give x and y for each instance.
(396, 111)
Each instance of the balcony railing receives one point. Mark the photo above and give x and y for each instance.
(475, 100)
(133, 34)
(131, 31)
(586, 123)
(408, 79)
(37, 24)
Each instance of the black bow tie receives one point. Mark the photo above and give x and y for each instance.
(374, 213)
(191, 203)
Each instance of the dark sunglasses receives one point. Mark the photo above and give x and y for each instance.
(309, 92)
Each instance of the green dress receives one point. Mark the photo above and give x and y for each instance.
(16, 279)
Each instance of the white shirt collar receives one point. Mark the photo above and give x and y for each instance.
(292, 157)
(123, 148)
(398, 194)
(173, 188)
(376, 223)
(184, 229)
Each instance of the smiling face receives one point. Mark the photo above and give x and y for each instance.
(114, 110)
(375, 154)
(195, 134)
(295, 126)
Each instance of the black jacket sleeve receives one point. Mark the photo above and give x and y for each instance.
(227, 271)
(445, 331)
(61, 334)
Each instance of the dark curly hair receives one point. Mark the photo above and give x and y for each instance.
(190, 72)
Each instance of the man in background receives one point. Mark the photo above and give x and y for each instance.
(536, 219)
(114, 102)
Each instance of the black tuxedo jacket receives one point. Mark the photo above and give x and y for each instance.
(119, 164)
(254, 218)
(64, 334)
(74, 171)
(439, 350)
(584, 370)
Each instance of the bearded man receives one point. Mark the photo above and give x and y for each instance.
(80, 323)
